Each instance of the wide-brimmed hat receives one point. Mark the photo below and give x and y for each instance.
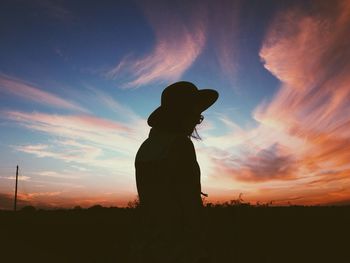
(179, 99)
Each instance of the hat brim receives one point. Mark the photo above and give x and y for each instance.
(203, 100)
(206, 98)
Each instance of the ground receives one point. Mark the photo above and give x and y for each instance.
(235, 234)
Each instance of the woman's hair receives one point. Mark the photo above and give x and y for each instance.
(195, 134)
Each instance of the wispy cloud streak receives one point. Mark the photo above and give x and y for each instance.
(313, 65)
(178, 42)
(83, 139)
(301, 145)
(26, 91)
(223, 27)
(87, 146)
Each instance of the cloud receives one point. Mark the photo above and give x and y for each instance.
(7, 201)
(114, 105)
(63, 174)
(40, 199)
(268, 164)
(300, 148)
(97, 154)
(31, 196)
(67, 123)
(309, 57)
(54, 199)
(20, 178)
(83, 139)
(44, 199)
(82, 154)
(179, 40)
(28, 92)
(182, 33)
(223, 36)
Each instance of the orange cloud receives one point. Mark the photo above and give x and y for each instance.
(300, 149)
(55, 199)
(310, 59)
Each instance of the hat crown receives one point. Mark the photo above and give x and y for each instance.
(180, 94)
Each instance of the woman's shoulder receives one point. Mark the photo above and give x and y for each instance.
(183, 142)
(161, 146)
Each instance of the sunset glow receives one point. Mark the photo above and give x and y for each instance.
(77, 83)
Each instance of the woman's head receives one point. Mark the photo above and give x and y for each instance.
(180, 122)
(181, 107)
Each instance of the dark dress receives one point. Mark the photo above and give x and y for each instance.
(169, 189)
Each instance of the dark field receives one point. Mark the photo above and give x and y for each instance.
(235, 234)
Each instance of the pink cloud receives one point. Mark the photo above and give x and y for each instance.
(72, 122)
(223, 31)
(178, 42)
(308, 118)
(83, 139)
(27, 91)
(87, 148)
(313, 65)
(180, 38)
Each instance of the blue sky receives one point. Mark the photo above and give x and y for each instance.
(78, 80)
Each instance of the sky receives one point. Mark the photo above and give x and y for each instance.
(78, 80)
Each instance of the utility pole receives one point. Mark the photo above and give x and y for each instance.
(15, 205)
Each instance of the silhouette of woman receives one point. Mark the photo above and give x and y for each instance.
(168, 177)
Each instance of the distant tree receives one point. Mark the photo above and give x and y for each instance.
(133, 204)
(78, 207)
(96, 207)
(235, 202)
(209, 205)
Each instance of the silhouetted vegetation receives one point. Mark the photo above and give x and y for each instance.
(96, 207)
(78, 207)
(236, 232)
(28, 208)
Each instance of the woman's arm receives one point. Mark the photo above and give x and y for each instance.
(185, 174)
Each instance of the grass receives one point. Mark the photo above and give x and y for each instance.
(235, 233)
